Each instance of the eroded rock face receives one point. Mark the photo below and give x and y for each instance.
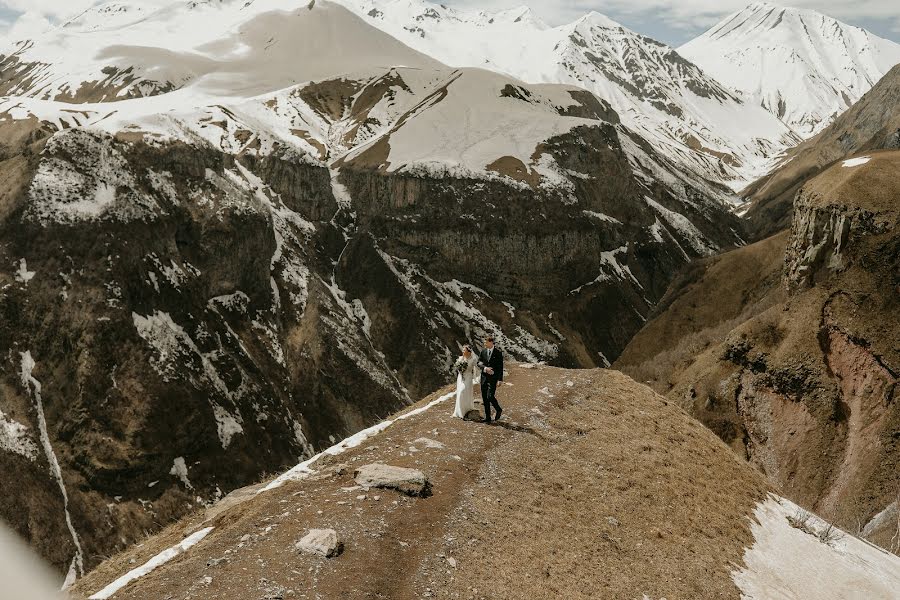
(807, 389)
(820, 236)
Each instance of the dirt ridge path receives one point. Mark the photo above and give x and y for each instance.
(591, 486)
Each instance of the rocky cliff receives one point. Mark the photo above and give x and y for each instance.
(804, 383)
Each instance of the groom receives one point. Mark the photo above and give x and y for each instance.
(490, 361)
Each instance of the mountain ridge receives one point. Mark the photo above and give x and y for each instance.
(505, 515)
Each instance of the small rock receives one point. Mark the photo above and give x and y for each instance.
(340, 469)
(429, 443)
(452, 562)
(323, 542)
(411, 482)
(612, 521)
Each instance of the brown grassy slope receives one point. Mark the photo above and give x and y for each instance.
(807, 388)
(705, 302)
(593, 486)
(872, 123)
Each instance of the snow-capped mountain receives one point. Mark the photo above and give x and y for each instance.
(669, 100)
(123, 50)
(803, 66)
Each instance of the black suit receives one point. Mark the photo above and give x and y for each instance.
(493, 359)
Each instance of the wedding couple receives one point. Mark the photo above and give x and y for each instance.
(489, 363)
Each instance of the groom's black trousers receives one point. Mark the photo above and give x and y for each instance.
(489, 397)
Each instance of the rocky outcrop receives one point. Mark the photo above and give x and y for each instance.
(820, 236)
(411, 482)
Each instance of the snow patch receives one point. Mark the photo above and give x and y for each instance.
(23, 275)
(856, 162)
(602, 217)
(177, 356)
(157, 561)
(14, 438)
(180, 470)
(227, 424)
(683, 225)
(788, 563)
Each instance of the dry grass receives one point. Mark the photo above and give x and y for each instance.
(591, 487)
(708, 301)
(611, 496)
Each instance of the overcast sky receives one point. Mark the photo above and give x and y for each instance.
(670, 21)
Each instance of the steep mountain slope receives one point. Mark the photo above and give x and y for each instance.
(804, 381)
(506, 515)
(667, 99)
(194, 288)
(873, 123)
(803, 66)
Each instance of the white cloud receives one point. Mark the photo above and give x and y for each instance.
(27, 25)
(687, 14)
(49, 9)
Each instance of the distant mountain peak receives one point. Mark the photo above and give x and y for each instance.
(595, 18)
(803, 66)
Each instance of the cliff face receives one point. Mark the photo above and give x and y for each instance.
(805, 384)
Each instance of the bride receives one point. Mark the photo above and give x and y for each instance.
(465, 383)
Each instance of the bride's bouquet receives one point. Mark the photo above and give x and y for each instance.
(460, 366)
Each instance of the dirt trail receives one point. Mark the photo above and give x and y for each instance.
(590, 486)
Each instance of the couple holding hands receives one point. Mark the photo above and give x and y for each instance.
(489, 363)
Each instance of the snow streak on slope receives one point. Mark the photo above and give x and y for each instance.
(667, 99)
(157, 561)
(34, 387)
(803, 66)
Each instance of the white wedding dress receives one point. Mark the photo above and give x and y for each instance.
(465, 390)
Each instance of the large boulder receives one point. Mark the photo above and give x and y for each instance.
(411, 482)
(323, 542)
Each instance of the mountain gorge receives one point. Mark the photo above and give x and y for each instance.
(235, 233)
(197, 284)
(795, 363)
